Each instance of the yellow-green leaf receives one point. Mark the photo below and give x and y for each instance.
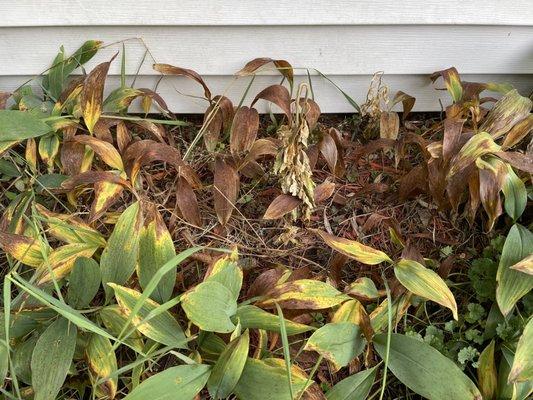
(114, 319)
(210, 306)
(226, 271)
(48, 150)
(105, 150)
(477, 146)
(355, 387)
(163, 327)
(486, 373)
(254, 317)
(61, 260)
(338, 342)
(522, 369)
(304, 294)
(19, 125)
(92, 95)
(511, 285)
(119, 257)
(155, 249)
(351, 248)
(267, 380)
(102, 363)
(363, 288)
(425, 283)
(228, 368)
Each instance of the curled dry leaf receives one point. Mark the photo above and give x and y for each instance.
(452, 81)
(311, 110)
(451, 142)
(389, 125)
(279, 95)
(187, 202)
(71, 152)
(123, 136)
(151, 95)
(167, 69)
(328, 149)
(523, 162)
(282, 66)
(323, 191)
(90, 178)
(518, 132)
(92, 94)
(225, 189)
(212, 126)
(407, 100)
(281, 205)
(244, 129)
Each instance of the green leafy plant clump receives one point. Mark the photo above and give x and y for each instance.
(262, 257)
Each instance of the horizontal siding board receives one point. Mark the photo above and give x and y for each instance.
(178, 91)
(259, 12)
(337, 50)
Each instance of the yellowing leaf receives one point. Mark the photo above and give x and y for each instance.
(92, 95)
(486, 373)
(103, 365)
(114, 319)
(351, 248)
(477, 146)
(226, 270)
(159, 326)
(105, 150)
(522, 369)
(363, 288)
(255, 318)
(452, 81)
(27, 250)
(525, 265)
(304, 294)
(61, 260)
(425, 283)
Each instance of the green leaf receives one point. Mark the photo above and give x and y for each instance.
(229, 367)
(355, 387)
(163, 328)
(363, 288)
(338, 342)
(183, 382)
(103, 365)
(22, 359)
(84, 282)
(425, 283)
(114, 320)
(515, 194)
(19, 125)
(267, 380)
(210, 306)
(256, 318)
(51, 359)
(155, 249)
(512, 284)
(522, 369)
(4, 359)
(425, 370)
(119, 257)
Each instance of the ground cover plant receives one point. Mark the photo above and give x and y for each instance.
(292, 255)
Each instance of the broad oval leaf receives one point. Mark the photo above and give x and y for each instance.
(515, 194)
(155, 249)
(119, 257)
(267, 380)
(256, 318)
(338, 342)
(19, 125)
(512, 284)
(425, 283)
(351, 248)
(425, 370)
(176, 383)
(22, 359)
(355, 387)
(103, 365)
(363, 288)
(57, 345)
(522, 369)
(228, 368)
(61, 260)
(307, 294)
(84, 282)
(210, 306)
(226, 270)
(159, 326)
